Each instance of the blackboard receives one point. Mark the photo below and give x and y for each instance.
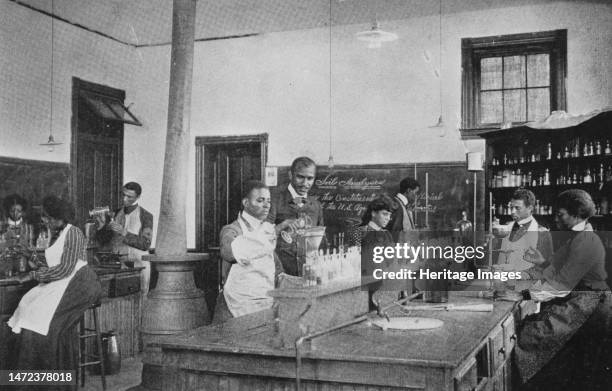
(345, 191)
(33, 180)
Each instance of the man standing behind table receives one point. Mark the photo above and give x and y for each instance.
(525, 233)
(293, 203)
(130, 232)
(402, 220)
(402, 225)
(247, 250)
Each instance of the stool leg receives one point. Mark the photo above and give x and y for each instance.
(82, 353)
(100, 352)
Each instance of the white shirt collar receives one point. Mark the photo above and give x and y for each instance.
(402, 198)
(294, 193)
(253, 221)
(374, 226)
(525, 220)
(13, 223)
(580, 226)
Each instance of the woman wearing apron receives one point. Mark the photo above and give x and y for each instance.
(47, 315)
(572, 290)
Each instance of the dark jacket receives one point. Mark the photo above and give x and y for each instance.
(284, 208)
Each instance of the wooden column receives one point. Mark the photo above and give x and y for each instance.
(175, 304)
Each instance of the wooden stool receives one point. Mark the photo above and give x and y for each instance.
(84, 334)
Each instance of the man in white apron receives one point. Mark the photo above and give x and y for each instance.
(525, 234)
(248, 245)
(129, 233)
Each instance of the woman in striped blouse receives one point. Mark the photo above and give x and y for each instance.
(47, 315)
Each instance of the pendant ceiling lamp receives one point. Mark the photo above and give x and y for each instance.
(375, 36)
(330, 160)
(438, 73)
(51, 143)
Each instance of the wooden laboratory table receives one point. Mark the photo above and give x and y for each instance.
(470, 351)
(119, 311)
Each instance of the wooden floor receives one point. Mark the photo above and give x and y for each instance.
(128, 377)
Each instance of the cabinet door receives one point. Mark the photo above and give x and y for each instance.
(509, 335)
(466, 378)
(498, 351)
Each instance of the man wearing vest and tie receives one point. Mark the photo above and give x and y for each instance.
(292, 203)
(402, 220)
(525, 234)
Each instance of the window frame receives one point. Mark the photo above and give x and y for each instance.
(473, 50)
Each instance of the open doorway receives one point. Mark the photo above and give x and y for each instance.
(223, 164)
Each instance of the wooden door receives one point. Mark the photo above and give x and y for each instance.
(97, 152)
(225, 166)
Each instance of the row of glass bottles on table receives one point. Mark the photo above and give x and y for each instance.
(324, 267)
(573, 149)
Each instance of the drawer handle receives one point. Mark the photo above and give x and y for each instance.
(502, 350)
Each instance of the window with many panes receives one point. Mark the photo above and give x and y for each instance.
(513, 78)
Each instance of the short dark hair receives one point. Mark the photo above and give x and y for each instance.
(134, 187)
(408, 183)
(302, 161)
(527, 196)
(58, 209)
(382, 202)
(14, 199)
(577, 203)
(251, 185)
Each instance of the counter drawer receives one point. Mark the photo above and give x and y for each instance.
(125, 285)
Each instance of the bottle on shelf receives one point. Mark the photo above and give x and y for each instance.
(587, 177)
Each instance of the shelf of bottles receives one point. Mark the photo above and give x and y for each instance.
(548, 167)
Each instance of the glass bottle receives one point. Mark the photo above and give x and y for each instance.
(587, 177)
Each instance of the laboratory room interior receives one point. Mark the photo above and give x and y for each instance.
(306, 194)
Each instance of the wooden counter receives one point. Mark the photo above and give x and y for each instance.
(470, 351)
(120, 309)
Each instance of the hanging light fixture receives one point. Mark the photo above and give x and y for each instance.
(330, 160)
(438, 73)
(375, 36)
(51, 143)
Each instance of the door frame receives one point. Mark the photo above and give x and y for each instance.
(202, 142)
(79, 85)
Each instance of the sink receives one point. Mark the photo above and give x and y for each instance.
(408, 323)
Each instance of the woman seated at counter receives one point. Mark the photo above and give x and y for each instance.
(571, 288)
(47, 315)
(372, 233)
(248, 245)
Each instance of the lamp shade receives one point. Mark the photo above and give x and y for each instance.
(474, 161)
